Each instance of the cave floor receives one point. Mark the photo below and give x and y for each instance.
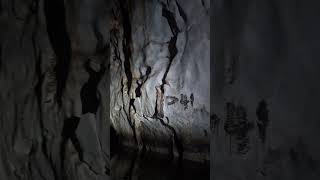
(129, 164)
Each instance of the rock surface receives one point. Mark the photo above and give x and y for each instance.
(160, 70)
(56, 62)
(47, 48)
(265, 91)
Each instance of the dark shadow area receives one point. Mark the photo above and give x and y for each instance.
(114, 141)
(89, 98)
(128, 164)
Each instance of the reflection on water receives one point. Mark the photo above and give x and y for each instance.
(129, 165)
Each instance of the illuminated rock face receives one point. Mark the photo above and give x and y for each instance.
(55, 95)
(160, 69)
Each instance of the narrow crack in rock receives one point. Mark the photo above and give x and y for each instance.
(182, 13)
(172, 53)
(138, 89)
(60, 41)
(159, 114)
(177, 140)
(115, 44)
(127, 41)
(129, 119)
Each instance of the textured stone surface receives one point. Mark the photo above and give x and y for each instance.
(265, 98)
(55, 100)
(160, 76)
(44, 128)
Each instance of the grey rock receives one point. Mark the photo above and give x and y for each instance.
(172, 39)
(150, 50)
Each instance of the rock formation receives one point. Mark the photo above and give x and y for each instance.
(70, 70)
(160, 83)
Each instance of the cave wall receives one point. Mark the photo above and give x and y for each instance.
(160, 85)
(53, 124)
(68, 67)
(265, 90)
(65, 64)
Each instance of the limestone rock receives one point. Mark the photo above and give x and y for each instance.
(160, 75)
